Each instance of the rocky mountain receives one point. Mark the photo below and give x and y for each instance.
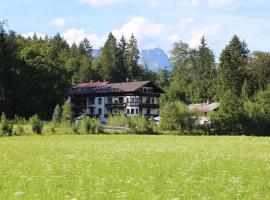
(154, 58)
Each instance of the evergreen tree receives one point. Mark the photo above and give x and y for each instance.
(233, 62)
(133, 55)
(85, 48)
(57, 114)
(108, 58)
(67, 112)
(122, 59)
(203, 82)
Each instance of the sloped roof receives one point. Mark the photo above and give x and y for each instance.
(105, 87)
(203, 107)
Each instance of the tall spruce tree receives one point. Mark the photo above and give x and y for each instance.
(133, 55)
(108, 58)
(122, 59)
(233, 62)
(204, 74)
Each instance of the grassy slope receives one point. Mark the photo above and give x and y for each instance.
(134, 167)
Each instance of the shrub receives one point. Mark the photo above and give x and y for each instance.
(49, 129)
(176, 117)
(18, 130)
(57, 114)
(139, 124)
(5, 126)
(118, 120)
(228, 119)
(67, 112)
(90, 126)
(66, 128)
(37, 125)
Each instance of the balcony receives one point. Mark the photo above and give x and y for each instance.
(116, 105)
(149, 105)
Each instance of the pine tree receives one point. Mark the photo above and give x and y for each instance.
(67, 112)
(122, 59)
(85, 48)
(57, 114)
(133, 55)
(204, 74)
(233, 61)
(109, 60)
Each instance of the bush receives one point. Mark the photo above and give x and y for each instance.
(18, 130)
(37, 125)
(49, 129)
(56, 117)
(67, 112)
(139, 124)
(89, 126)
(5, 126)
(176, 117)
(118, 120)
(66, 128)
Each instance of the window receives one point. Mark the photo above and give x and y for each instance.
(148, 100)
(132, 111)
(148, 111)
(153, 101)
(128, 111)
(110, 100)
(137, 111)
(99, 101)
(132, 100)
(127, 100)
(121, 100)
(100, 111)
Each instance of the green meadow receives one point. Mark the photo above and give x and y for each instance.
(134, 167)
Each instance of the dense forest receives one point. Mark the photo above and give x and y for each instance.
(36, 73)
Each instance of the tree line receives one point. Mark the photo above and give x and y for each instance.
(36, 73)
(239, 82)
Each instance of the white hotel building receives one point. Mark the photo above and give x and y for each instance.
(102, 98)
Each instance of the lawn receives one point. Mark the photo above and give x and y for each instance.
(134, 167)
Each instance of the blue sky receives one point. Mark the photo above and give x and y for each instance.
(156, 23)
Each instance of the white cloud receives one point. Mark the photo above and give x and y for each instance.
(206, 31)
(59, 22)
(31, 34)
(77, 35)
(150, 34)
(216, 3)
(96, 3)
(141, 27)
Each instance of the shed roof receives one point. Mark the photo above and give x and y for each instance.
(203, 107)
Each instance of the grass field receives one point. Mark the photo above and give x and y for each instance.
(134, 167)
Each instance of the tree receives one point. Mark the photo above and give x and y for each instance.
(85, 48)
(182, 59)
(233, 62)
(57, 114)
(259, 70)
(228, 119)
(122, 59)
(67, 112)
(108, 59)
(203, 83)
(133, 55)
